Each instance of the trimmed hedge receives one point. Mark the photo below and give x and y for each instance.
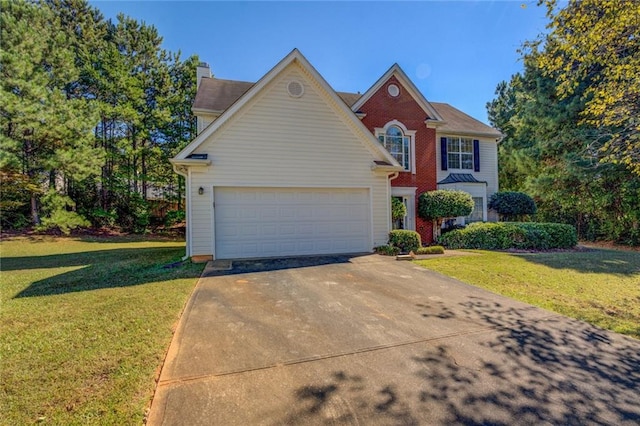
(506, 235)
(430, 250)
(387, 250)
(405, 240)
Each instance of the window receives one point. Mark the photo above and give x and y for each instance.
(476, 213)
(460, 153)
(398, 144)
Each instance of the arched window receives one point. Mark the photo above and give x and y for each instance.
(398, 144)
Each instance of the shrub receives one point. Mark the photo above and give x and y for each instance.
(387, 250)
(60, 214)
(512, 205)
(174, 216)
(441, 204)
(133, 213)
(506, 235)
(430, 250)
(101, 217)
(398, 209)
(405, 240)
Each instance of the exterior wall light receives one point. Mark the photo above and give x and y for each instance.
(201, 190)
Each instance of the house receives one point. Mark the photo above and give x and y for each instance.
(287, 166)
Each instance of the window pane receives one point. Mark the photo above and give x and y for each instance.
(467, 161)
(394, 131)
(454, 160)
(453, 145)
(397, 144)
(466, 146)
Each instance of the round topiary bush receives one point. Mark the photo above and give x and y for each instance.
(512, 205)
(405, 240)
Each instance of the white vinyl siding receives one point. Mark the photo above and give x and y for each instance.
(488, 173)
(276, 141)
(477, 213)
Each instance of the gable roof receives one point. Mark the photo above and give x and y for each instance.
(235, 105)
(396, 71)
(217, 95)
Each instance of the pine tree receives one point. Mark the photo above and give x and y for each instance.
(46, 134)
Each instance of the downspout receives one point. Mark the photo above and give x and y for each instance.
(181, 171)
(391, 177)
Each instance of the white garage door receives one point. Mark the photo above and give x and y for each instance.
(267, 222)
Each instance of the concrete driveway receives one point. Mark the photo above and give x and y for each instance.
(369, 340)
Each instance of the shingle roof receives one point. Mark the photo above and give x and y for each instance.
(217, 95)
(457, 121)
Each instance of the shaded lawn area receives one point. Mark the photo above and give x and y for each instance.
(84, 326)
(601, 287)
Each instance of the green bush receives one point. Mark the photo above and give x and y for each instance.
(512, 205)
(507, 235)
(405, 240)
(59, 213)
(101, 217)
(174, 216)
(443, 203)
(398, 209)
(430, 250)
(387, 250)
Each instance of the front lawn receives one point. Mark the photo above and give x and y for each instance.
(84, 326)
(598, 286)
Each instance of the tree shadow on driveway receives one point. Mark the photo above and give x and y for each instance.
(523, 370)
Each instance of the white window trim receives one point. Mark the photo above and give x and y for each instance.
(470, 170)
(411, 134)
(409, 193)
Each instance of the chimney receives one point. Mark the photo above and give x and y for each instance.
(203, 70)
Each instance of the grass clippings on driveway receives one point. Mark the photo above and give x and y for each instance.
(84, 326)
(601, 287)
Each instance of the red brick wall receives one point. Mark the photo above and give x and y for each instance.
(382, 108)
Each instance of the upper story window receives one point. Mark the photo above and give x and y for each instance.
(398, 143)
(460, 153)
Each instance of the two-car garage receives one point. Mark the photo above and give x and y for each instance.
(268, 222)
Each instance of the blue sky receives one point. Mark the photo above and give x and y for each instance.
(454, 51)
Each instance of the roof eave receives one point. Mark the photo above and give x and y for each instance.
(497, 136)
(206, 111)
(386, 168)
(191, 162)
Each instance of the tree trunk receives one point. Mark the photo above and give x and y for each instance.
(437, 227)
(35, 218)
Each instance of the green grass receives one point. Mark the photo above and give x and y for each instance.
(601, 287)
(84, 326)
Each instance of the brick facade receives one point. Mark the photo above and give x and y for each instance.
(380, 109)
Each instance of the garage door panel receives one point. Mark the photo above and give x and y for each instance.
(264, 222)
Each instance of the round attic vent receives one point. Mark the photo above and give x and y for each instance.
(295, 88)
(393, 90)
